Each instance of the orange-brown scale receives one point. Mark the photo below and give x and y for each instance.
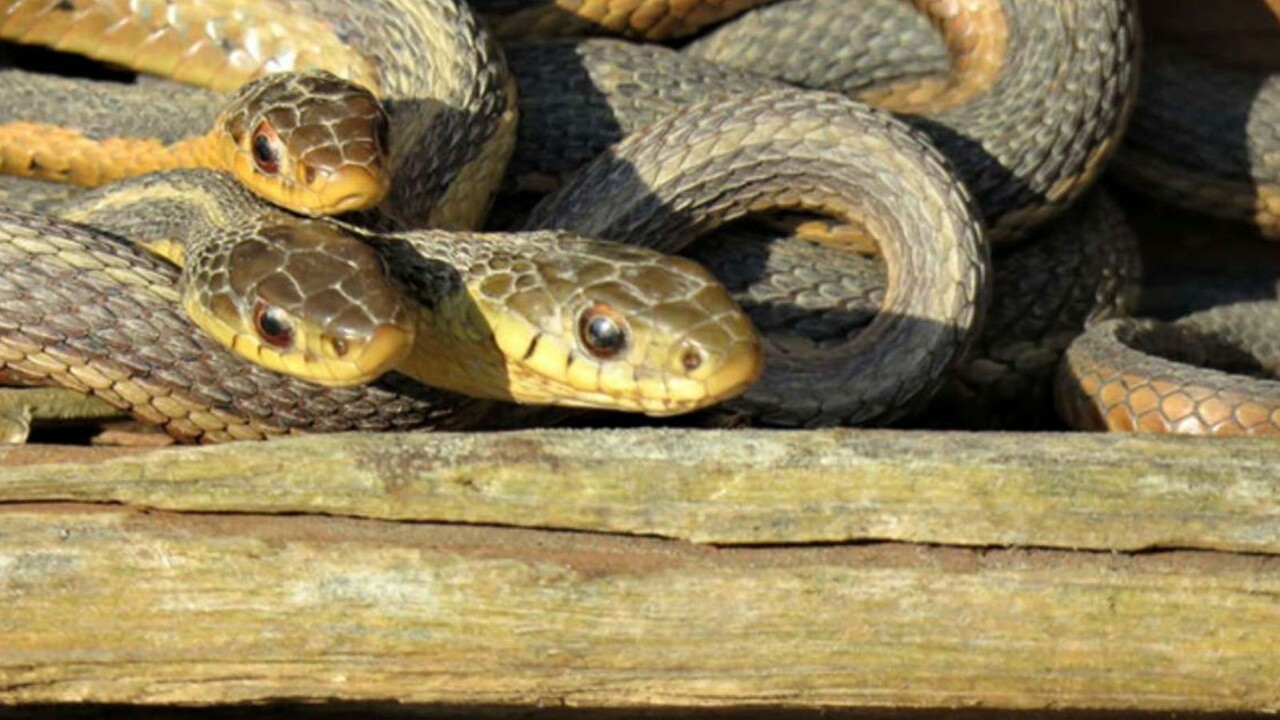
(1108, 381)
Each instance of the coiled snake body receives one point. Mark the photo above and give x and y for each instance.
(1024, 147)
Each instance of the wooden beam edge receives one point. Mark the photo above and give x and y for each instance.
(1075, 491)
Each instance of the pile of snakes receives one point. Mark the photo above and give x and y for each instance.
(259, 218)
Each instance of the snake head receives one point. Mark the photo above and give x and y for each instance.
(310, 142)
(579, 322)
(299, 297)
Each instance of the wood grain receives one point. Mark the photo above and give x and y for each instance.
(1101, 492)
(119, 605)
(228, 574)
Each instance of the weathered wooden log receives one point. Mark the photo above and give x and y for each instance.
(1100, 492)
(113, 604)
(218, 575)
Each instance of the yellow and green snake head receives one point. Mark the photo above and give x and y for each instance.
(537, 317)
(558, 319)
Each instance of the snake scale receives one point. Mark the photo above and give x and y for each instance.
(1027, 117)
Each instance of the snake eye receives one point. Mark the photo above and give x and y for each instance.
(602, 331)
(273, 325)
(264, 150)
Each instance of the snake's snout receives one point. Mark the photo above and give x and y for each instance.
(714, 354)
(313, 143)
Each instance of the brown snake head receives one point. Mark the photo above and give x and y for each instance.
(301, 298)
(310, 142)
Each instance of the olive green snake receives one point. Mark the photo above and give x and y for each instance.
(1015, 191)
(962, 270)
(1205, 137)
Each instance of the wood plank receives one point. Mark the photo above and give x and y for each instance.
(1092, 491)
(117, 605)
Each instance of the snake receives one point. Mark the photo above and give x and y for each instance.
(1028, 117)
(1206, 137)
(437, 74)
(900, 389)
(579, 97)
(1150, 376)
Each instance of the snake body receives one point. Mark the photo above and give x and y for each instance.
(1079, 269)
(1147, 376)
(647, 19)
(1028, 138)
(1055, 84)
(1207, 137)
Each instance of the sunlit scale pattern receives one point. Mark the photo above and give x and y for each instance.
(219, 44)
(648, 19)
(1109, 382)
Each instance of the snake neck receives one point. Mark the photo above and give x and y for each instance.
(474, 366)
(56, 153)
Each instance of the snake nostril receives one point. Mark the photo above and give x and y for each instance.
(338, 346)
(308, 174)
